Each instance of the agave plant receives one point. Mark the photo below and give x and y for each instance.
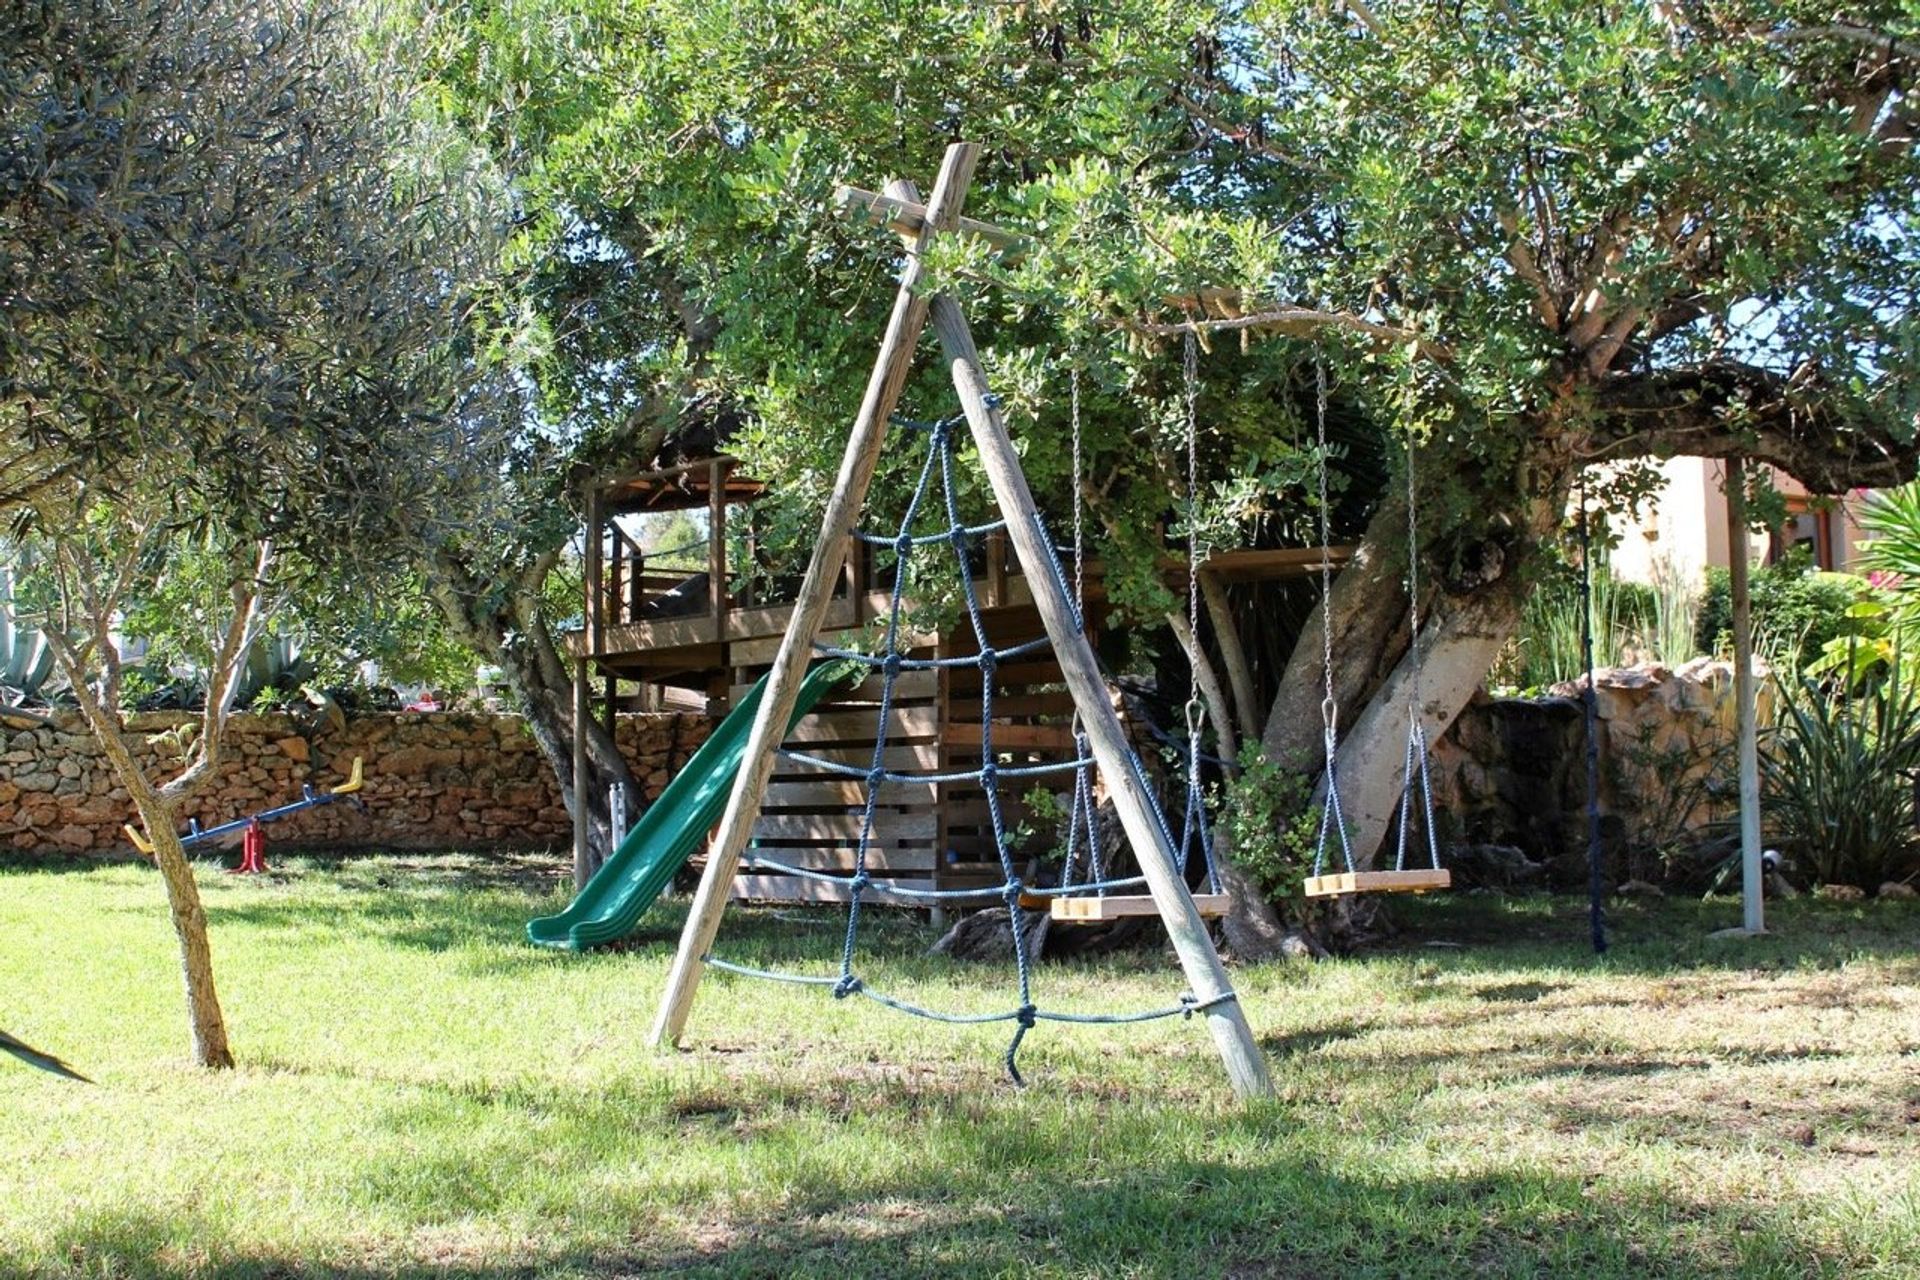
(26, 660)
(1838, 774)
(273, 663)
(38, 1058)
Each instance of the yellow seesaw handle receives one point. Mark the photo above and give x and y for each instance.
(353, 782)
(139, 844)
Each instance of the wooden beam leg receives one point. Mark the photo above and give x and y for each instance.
(1246, 1066)
(816, 591)
(583, 867)
(717, 546)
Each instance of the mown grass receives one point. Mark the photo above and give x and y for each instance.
(422, 1094)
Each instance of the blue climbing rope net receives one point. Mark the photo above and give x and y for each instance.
(890, 662)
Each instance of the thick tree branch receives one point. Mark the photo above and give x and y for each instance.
(1293, 321)
(1727, 409)
(242, 629)
(1233, 654)
(1240, 134)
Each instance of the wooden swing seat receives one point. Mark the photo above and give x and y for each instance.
(1418, 881)
(1121, 906)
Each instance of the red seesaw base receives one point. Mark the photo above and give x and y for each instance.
(253, 852)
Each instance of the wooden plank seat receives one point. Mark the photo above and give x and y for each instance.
(1422, 880)
(1118, 906)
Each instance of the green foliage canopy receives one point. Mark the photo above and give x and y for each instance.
(1526, 236)
(232, 255)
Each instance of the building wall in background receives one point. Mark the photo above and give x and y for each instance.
(1685, 530)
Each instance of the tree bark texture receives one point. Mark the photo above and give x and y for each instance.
(507, 627)
(159, 817)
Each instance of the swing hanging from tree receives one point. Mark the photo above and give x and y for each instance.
(1087, 897)
(1400, 878)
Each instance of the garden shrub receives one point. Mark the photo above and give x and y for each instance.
(1796, 610)
(1270, 822)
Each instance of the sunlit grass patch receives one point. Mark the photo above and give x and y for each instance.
(423, 1094)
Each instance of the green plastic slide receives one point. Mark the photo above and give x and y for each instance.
(670, 830)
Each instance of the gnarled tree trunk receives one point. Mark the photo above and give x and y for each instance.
(508, 628)
(1467, 615)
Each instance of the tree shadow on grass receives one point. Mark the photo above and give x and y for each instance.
(953, 1186)
(1648, 936)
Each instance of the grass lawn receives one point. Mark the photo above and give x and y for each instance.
(422, 1094)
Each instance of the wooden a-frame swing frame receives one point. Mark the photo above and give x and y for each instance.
(1206, 978)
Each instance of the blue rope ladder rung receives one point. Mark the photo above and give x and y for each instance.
(986, 659)
(954, 534)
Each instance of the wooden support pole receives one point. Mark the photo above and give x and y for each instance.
(908, 218)
(1739, 551)
(636, 580)
(717, 546)
(816, 591)
(583, 867)
(1152, 846)
(596, 597)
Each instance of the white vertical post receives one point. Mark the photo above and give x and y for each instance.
(616, 817)
(583, 867)
(1739, 550)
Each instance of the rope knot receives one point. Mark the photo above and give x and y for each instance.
(847, 986)
(989, 773)
(893, 664)
(1013, 890)
(989, 662)
(1027, 1015)
(903, 545)
(876, 776)
(859, 883)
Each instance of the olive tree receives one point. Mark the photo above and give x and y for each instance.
(239, 277)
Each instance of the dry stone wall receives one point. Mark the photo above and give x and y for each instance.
(1512, 771)
(433, 781)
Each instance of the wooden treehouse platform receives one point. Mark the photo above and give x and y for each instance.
(680, 638)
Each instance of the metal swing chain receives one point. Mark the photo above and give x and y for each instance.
(1194, 826)
(1080, 813)
(1331, 819)
(1416, 730)
(1191, 371)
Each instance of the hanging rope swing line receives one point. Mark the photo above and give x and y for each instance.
(1194, 831)
(1414, 775)
(1590, 714)
(1082, 814)
(890, 664)
(1083, 828)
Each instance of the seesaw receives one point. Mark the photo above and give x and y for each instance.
(253, 842)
